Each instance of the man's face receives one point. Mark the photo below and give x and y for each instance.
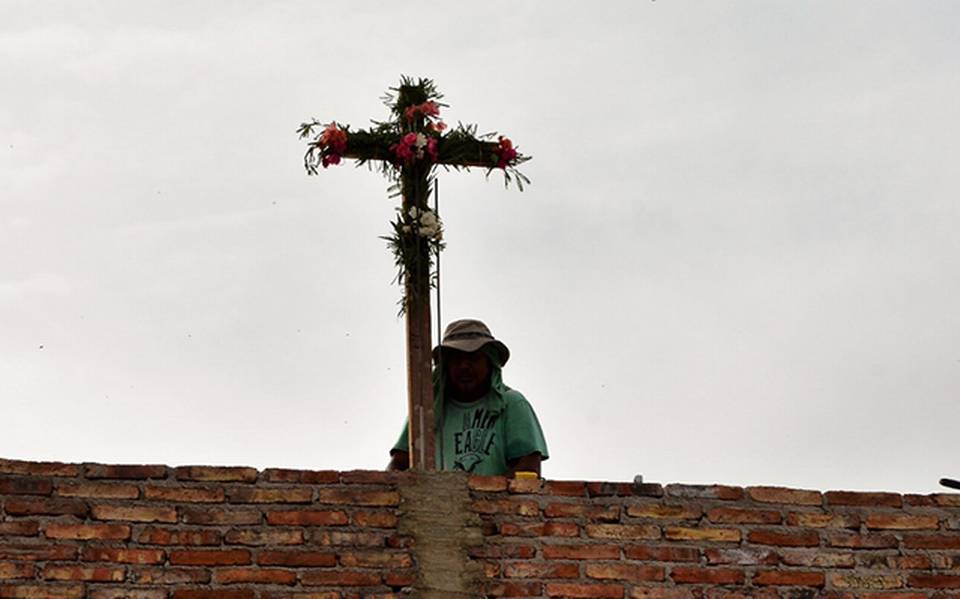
(467, 373)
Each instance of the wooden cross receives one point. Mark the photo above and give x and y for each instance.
(410, 165)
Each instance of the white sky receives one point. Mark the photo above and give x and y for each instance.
(738, 261)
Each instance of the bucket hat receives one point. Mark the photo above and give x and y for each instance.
(469, 335)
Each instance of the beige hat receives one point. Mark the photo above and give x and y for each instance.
(470, 335)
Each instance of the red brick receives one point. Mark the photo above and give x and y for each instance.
(947, 499)
(506, 506)
(374, 477)
(907, 562)
(622, 531)
(502, 588)
(863, 499)
(358, 496)
(10, 571)
(344, 578)
(134, 513)
(82, 532)
(319, 477)
(820, 520)
(227, 474)
(721, 535)
(37, 552)
(693, 575)
(893, 595)
(126, 471)
(243, 536)
(360, 539)
(902, 522)
(662, 553)
(254, 576)
(487, 484)
(524, 486)
(934, 581)
(211, 557)
(400, 578)
(169, 575)
(625, 572)
(45, 591)
(606, 591)
(759, 593)
(218, 516)
(806, 538)
(184, 494)
(214, 594)
(817, 558)
(663, 593)
(600, 513)
(664, 512)
(705, 492)
(782, 495)
(269, 495)
(490, 551)
(581, 552)
(155, 535)
(308, 518)
(25, 486)
(19, 528)
(98, 490)
(85, 573)
(609, 489)
(46, 507)
(729, 515)
(741, 556)
(38, 468)
(852, 540)
(565, 488)
(852, 580)
(374, 519)
(124, 593)
(932, 541)
(791, 578)
(122, 556)
(918, 500)
(541, 570)
(317, 559)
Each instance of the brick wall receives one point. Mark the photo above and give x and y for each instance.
(155, 532)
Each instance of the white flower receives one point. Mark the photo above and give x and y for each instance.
(414, 213)
(421, 140)
(429, 218)
(406, 228)
(427, 231)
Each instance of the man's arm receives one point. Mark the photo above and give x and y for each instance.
(399, 460)
(527, 463)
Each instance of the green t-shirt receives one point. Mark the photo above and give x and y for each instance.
(481, 437)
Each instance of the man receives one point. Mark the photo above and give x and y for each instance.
(482, 426)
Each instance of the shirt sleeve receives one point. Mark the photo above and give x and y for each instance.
(524, 435)
(402, 443)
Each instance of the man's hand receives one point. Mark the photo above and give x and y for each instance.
(399, 460)
(527, 463)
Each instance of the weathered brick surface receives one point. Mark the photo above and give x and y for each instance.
(104, 531)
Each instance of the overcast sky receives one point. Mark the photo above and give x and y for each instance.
(738, 260)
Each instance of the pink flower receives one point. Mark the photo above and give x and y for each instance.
(505, 153)
(432, 148)
(410, 139)
(437, 127)
(334, 138)
(427, 109)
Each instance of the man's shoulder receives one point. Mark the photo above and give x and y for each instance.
(513, 398)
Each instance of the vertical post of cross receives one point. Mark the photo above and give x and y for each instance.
(415, 186)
